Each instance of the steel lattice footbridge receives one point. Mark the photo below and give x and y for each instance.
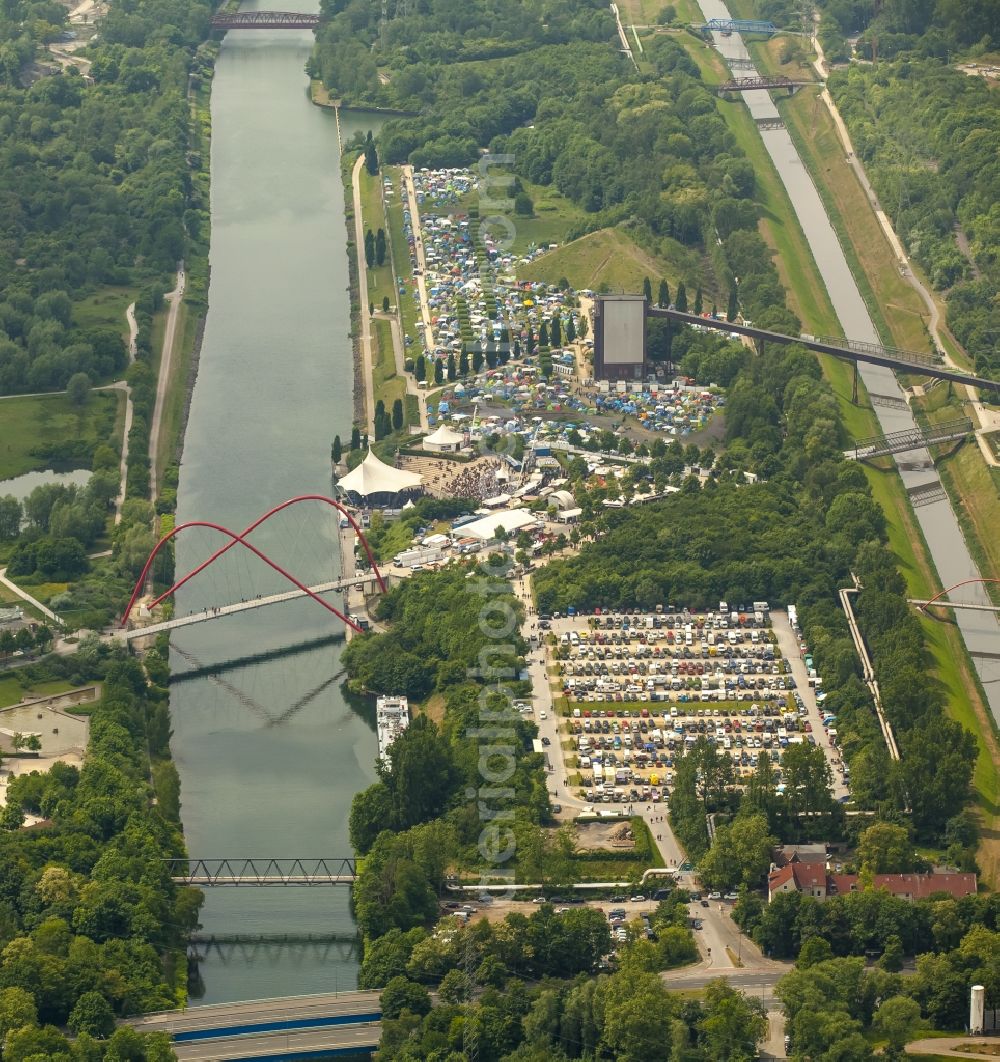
(266, 872)
(728, 26)
(851, 350)
(898, 442)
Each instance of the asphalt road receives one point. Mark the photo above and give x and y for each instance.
(163, 381)
(788, 646)
(271, 1045)
(258, 1011)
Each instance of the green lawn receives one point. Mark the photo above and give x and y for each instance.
(408, 306)
(30, 429)
(645, 12)
(554, 215)
(387, 385)
(11, 690)
(380, 281)
(104, 309)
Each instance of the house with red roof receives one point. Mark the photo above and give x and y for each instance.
(813, 879)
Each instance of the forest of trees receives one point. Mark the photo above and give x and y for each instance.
(926, 27)
(930, 140)
(95, 185)
(91, 926)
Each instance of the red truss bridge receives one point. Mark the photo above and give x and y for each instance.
(372, 579)
(264, 20)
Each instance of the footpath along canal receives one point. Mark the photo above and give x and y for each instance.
(269, 754)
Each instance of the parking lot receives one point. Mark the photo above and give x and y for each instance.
(643, 688)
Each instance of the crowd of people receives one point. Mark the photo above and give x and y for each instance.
(484, 478)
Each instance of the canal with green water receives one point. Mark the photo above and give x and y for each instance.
(269, 753)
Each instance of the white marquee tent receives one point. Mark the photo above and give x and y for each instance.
(374, 483)
(443, 440)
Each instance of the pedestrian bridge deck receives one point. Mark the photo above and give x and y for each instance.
(153, 629)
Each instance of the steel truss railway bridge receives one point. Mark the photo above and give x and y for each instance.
(752, 84)
(851, 350)
(728, 26)
(264, 20)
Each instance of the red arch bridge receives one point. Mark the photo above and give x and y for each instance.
(940, 597)
(264, 20)
(371, 580)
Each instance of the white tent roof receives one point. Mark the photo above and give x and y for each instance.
(373, 476)
(563, 499)
(444, 436)
(510, 519)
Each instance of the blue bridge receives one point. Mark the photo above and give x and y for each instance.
(726, 26)
(273, 1030)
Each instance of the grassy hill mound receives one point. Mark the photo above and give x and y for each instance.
(610, 260)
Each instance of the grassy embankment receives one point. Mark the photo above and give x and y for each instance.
(610, 260)
(814, 131)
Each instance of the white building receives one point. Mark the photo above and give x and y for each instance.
(485, 528)
(444, 441)
(392, 717)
